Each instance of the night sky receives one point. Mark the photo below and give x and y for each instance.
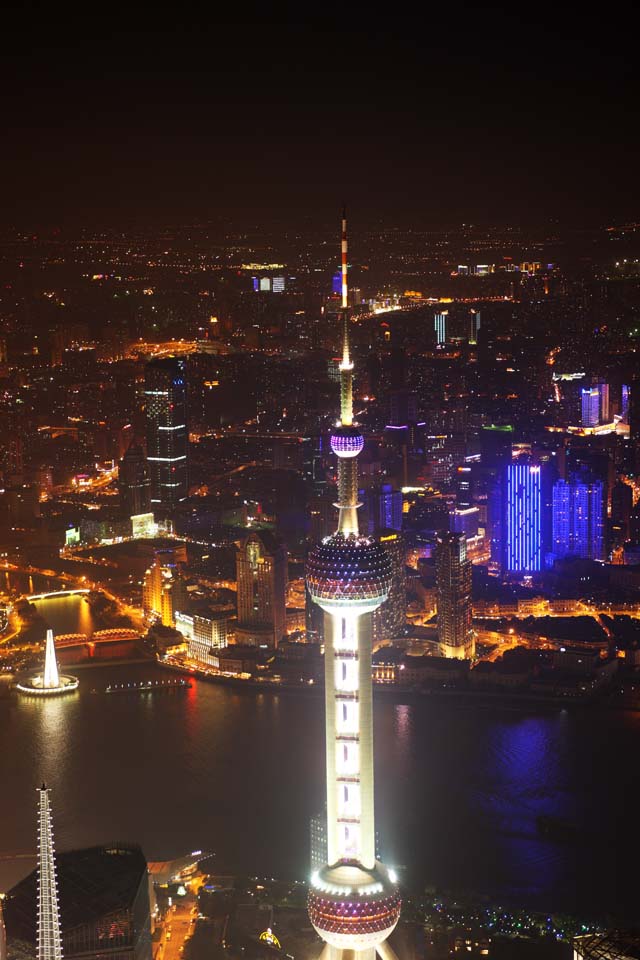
(460, 116)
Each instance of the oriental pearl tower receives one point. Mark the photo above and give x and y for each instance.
(353, 900)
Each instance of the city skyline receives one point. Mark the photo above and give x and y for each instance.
(331, 544)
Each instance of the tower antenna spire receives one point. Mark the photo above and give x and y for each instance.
(49, 934)
(343, 252)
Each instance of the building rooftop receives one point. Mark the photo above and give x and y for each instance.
(92, 883)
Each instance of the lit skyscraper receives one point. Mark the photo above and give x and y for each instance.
(167, 433)
(133, 482)
(590, 406)
(523, 527)
(261, 569)
(474, 325)
(578, 519)
(353, 900)
(453, 586)
(49, 934)
(440, 326)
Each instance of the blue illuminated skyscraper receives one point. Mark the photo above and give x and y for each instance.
(595, 405)
(523, 514)
(590, 406)
(578, 519)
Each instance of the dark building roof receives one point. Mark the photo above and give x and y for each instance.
(92, 883)
(614, 945)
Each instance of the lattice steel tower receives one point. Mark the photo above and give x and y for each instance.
(353, 900)
(49, 935)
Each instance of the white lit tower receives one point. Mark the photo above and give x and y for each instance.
(49, 935)
(353, 901)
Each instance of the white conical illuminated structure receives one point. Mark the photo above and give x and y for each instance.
(353, 901)
(49, 934)
(50, 681)
(51, 677)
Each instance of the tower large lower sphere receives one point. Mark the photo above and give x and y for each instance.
(353, 900)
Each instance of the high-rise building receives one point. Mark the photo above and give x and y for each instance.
(440, 326)
(163, 589)
(578, 519)
(466, 521)
(318, 840)
(453, 589)
(621, 507)
(167, 432)
(590, 406)
(313, 463)
(474, 325)
(390, 618)
(634, 423)
(205, 632)
(384, 508)
(133, 482)
(523, 519)
(353, 900)
(261, 570)
(595, 405)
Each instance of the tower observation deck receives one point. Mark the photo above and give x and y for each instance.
(353, 900)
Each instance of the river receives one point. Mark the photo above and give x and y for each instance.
(239, 773)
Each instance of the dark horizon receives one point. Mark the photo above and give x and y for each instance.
(490, 119)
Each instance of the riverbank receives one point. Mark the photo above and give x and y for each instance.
(396, 693)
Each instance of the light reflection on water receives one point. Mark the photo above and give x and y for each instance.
(458, 786)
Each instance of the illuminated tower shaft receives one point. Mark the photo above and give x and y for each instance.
(49, 936)
(353, 902)
(51, 676)
(349, 734)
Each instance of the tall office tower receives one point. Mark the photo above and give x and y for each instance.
(474, 325)
(523, 519)
(133, 482)
(318, 840)
(261, 570)
(401, 409)
(496, 444)
(621, 507)
(167, 433)
(353, 900)
(625, 399)
(465, 520)
(578, 519)
(440, 326)
(313, 450)
(453, 590)
(604, 408)
(163, 591)
(590, 406)
(390, 619)
(49, 934)
(634, 422)
(384, 508)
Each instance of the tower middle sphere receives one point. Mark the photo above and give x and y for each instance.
(347, 441)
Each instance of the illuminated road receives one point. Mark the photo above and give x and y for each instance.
(178, 927)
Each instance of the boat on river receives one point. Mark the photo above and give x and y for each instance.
(150, 686)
